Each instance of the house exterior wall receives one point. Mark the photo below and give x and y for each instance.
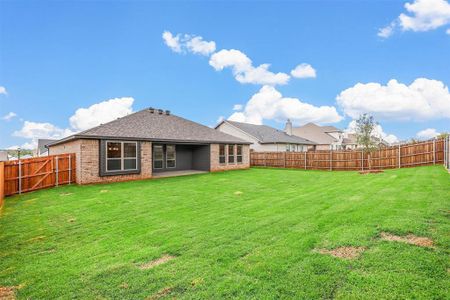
(215, 166)
(88, 161)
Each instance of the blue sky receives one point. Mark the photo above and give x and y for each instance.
(59, 57)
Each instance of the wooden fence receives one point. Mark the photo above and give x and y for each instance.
(25, 175)
(407, 155)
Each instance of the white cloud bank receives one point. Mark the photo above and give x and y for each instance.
(243, 69)
(423, 15)
(188, 43)
(84, 118)
(270, 104)
(9, 116)
(427, 134)
(3, 90)
(304, 71)
(100, 113)
(423, 99)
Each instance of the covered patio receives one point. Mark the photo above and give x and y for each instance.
(177, 173)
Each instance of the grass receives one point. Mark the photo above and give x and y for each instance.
(90, 241)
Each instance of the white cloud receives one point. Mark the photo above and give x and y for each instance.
(173, 42)
(84, 118)
(36, 130)
(188, 43)
(243, 69)
(3, 90)
(270, 104)
(198, 46)
(387, 31)
(100, 113)
(304, 71)
(421, 15)
(428, 133)
(448, 31)
(9, 116)
(424, 99)
(377, 132)
(238, 107)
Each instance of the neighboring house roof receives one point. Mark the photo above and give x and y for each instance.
(268, 135)
(42, 143)
(350, 139)
(3, 156)
(155, 125)
(316, 133)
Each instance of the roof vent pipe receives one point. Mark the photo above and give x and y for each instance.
(151, 109)
(167, 112)
(288, 127)
(160, 111)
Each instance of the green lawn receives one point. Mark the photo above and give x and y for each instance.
(89, 241)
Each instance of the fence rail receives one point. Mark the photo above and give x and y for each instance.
(31, 174)
(407, 155)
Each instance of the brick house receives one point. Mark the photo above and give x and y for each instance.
(151, 143)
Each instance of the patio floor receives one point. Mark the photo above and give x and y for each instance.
(177, 173)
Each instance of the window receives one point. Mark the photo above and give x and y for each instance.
(230, 154)
(288, 148)
(221, 154)
(170, 156)
(239, 153)
(121, 156)
(158, 156)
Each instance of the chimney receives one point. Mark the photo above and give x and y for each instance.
(288, 127)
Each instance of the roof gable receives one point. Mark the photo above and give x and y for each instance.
(152, 125)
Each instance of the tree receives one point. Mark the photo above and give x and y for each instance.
(365, 130)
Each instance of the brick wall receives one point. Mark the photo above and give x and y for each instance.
(216, 166)
(88, 169)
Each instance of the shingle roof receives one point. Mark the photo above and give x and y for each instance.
(153, 126)
(268, 135)
(315, 133)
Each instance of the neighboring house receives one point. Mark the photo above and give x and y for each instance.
(42, 146)
(4, 156)
(325, 137)
(265, 138)
(331, 138)
(147, 142)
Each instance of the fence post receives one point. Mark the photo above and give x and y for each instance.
(265, 159)
(399, 157)
(20, 177)
(2, 182)
(306, 152)
(285, 159)
(70, 168)
(56, 171)
(362, 160)
(434, 151)
(331, 160)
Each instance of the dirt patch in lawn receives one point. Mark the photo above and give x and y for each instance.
(161, 293)
(238, 193)
(104, 191)
(8, 292)
(343, 252)
(409, 239)
(66, 194)
(370, 172)
(151, 264)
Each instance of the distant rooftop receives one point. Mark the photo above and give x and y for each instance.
(268, 135)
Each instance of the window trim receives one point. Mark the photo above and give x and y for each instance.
(153, 157)
(122, 156)
(103, 158)
(232, 155)
(224, 154)
(242, 154)
(174, 159)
